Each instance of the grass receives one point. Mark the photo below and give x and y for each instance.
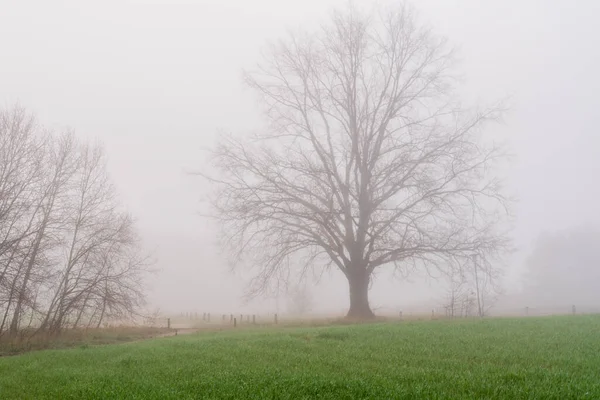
(25, 341)
(533, 358)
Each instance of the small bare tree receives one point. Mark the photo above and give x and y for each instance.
(472, 290)
(456, 295)
(369, 160)
(485, 285)
(299, 300)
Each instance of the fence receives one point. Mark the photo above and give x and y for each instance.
(200, 320)
(196, 320)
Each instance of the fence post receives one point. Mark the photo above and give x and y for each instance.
(526, 310)
(573, 309)
(230, 317)
(204, 317)
(168, 323)
(241, 318)
(275, 319)
(234, 322)
(432, 314)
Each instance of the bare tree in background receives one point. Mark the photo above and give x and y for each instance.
(472, 290)
(21, 162)
(87, 220)
(96, 238)
(563, 270)
(299, 300)
(59, 168)
(486, 285)
(456, 296)
(69, 255)
(369, 161)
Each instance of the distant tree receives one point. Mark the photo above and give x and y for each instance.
(485, 284)
(299, 300)
(457, 295)
(473, 290)
(369, 161)
(563, 269)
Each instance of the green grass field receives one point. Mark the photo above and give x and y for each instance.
(534, 358)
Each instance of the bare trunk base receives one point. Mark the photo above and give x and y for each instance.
(360, 314)
(359, 298)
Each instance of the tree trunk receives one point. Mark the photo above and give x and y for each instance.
(359, 296)
(14, 326)
(102, 313)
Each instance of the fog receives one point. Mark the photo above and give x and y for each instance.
(156, 81)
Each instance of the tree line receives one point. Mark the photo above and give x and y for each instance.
(70, 255)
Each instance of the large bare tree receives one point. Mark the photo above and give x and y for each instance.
(368, 160)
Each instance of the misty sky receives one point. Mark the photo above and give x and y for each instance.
(155, 81)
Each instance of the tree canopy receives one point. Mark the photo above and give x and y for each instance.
(369, 160)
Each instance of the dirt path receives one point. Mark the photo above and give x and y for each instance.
(181, 331)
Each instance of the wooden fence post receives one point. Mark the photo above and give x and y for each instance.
(234, 322)
(168, 323)
(573, 309)
(275, 319)
(526, 310)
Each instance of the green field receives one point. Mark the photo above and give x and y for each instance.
(534, 358)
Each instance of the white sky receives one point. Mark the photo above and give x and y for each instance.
(155, 81)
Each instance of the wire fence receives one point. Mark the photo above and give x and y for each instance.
(207, 320)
